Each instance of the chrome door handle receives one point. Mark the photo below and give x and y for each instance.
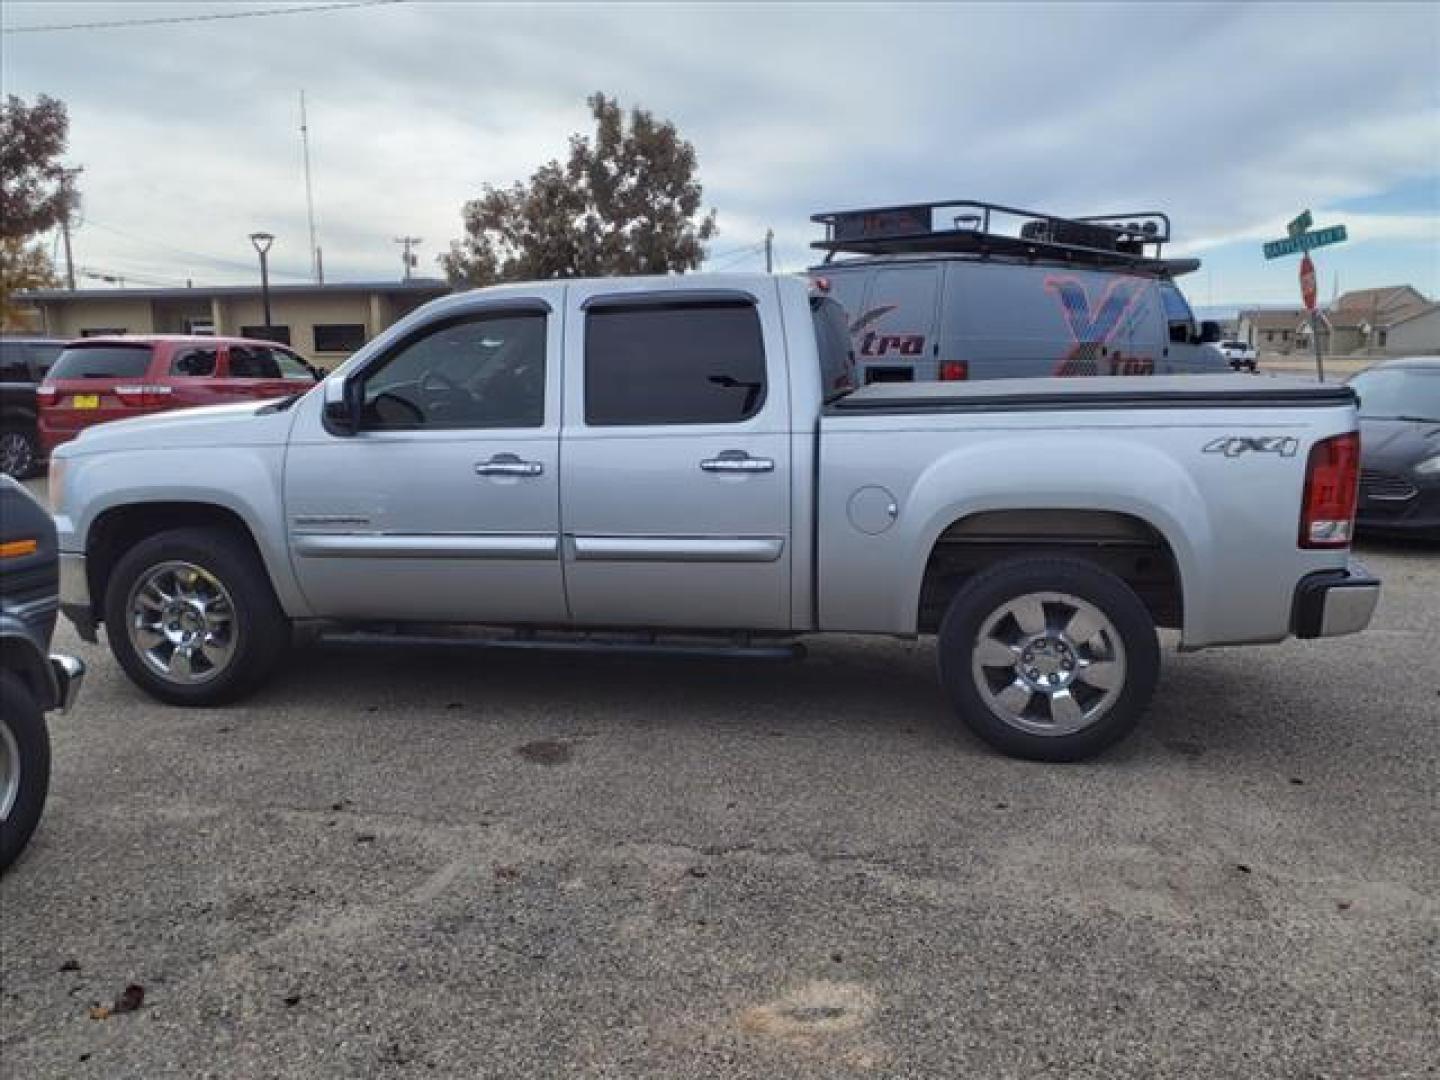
(508, 465)
(737, 461)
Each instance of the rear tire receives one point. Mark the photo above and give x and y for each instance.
(1048, 659)
(191, 616)
(19, 452)
(24, 766)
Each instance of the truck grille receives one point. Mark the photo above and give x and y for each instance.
(1385, 488)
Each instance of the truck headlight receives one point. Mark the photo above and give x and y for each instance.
(1429, 467)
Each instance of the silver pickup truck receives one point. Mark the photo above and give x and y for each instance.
(685, 463)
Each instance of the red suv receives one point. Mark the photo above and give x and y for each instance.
(115, 378)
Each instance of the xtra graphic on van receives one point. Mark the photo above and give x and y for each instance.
(1095, 328)
(874, 344)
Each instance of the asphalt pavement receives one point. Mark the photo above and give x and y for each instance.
(497, 864)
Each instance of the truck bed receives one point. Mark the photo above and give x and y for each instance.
(1099, 392)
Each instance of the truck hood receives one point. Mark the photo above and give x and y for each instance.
(249, 423)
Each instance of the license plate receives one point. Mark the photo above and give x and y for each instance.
(86, 401)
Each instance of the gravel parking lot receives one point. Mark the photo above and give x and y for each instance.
(511, 865)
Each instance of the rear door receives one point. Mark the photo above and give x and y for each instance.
(256, 372)
(192, 374)
(95, 381)
(894, 334)
(675, 464)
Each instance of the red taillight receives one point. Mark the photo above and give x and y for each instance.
(46, 395)
(1332, 482)
(143, 396)
(954, 371)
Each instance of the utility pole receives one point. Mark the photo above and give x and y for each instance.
(769, 250)
(315, 264)
(408, 259)
(66, 176)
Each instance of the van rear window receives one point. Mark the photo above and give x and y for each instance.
(102, 362)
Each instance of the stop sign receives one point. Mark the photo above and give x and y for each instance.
(1307, 283)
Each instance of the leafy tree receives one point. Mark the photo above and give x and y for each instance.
(626, 202)
(21, 268)
(32, 138)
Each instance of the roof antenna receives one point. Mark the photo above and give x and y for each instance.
(316, 267)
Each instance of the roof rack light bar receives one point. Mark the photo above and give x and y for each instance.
(971, 226)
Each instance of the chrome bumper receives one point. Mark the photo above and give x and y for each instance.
(1335, 602)
(67, 673)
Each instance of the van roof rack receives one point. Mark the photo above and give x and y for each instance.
(1133, 241)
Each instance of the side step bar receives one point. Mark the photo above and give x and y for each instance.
(737, 646)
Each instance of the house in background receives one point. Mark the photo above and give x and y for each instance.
(1395, 320)
(324, 322)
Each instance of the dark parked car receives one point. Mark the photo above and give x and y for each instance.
(23, 363)
(31, 680)
(116, 378)
(1400, 447)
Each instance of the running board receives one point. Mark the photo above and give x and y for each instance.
(740, 646)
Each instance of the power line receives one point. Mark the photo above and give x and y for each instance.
(214, 260)
(165, 20)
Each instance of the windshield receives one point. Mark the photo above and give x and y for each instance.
(102, 362)
(1396, 392)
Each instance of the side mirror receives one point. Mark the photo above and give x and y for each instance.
(342, 411)
(1209, 332)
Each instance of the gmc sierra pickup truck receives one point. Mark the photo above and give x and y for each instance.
(686, 463)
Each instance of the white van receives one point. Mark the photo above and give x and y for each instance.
(1059, 296)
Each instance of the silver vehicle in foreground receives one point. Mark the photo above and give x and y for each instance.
(684, 463)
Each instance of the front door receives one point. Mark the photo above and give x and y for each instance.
(676, 460)
(444, 506)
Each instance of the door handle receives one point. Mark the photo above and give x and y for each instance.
(508, 465)
(737, 461)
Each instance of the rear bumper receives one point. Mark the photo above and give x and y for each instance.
(1335, 602)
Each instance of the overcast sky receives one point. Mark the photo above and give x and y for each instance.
(1232, 117)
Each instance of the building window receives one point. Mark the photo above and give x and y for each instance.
(200, 327)
(339, 337)
(102, 331)
(267, 333)
(1382, 337)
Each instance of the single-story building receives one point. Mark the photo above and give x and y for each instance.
(1271, 330)
(324, 322)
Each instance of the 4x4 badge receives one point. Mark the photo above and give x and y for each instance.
(1235, 445)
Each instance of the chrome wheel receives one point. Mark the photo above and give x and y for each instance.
(17, 454)
(1048, 663)
(182, 622)
(9, 771)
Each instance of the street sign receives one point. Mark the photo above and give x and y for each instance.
(1307, 282)
(1300, 224)
(1309, 241)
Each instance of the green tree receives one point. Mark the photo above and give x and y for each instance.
(33, 194)
(626, 202)
(21, 267)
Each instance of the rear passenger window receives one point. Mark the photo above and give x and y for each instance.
(252, 362)
(196, 363)
(679, 363)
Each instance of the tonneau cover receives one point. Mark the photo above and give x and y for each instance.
(1097, 392)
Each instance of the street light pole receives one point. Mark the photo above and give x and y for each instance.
(262, 242)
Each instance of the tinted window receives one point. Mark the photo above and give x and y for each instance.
(194, 362)
(253, 362)
(339, 337)
(43, 356)
(480, 373)
(673, 364)
(102, 362)
(1399, 392)
(832, 338)
(14, 362)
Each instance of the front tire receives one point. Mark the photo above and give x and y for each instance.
(192, 618)
(24, 766)
(1048, 659)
